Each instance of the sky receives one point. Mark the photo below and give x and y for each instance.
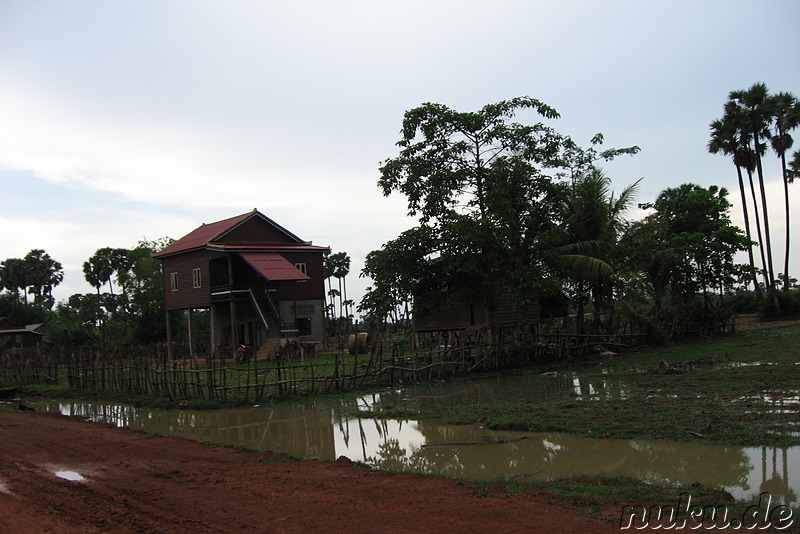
(122, 121)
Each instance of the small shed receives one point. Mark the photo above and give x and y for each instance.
(501, 312)
(14, 335)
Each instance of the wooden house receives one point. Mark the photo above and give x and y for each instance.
(14, 335)
(259, 281)
(435, 312)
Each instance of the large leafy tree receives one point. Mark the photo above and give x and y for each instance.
(142, 286)
(489, 195)
(136, 313)
(686, 247)
(397, 270)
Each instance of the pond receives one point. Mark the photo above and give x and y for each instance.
(323, 431)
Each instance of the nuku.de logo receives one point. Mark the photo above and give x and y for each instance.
(763, 515)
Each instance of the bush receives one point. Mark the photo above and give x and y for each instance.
(788, 305)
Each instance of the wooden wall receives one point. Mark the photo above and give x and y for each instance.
(255, 230)
(187, 295)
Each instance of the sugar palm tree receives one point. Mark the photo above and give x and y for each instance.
(725, 140)
(339, 268)
(794, 167)
(754, 106)
(785, 114)
(44, 273)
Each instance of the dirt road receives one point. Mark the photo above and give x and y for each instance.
(133, 482)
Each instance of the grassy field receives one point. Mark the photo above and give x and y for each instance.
(741, 389)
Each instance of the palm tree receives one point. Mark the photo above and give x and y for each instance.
(754, 105)
(14, 276)
(340, 268)
(593, 226)
(725, 140)
(44, 273)
(785, 111)
(794, 167)
(327, 269)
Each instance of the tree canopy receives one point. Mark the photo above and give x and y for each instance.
(490, 198)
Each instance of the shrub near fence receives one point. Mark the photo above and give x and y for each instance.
(147, 370)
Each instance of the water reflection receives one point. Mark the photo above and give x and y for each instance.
(321, 431)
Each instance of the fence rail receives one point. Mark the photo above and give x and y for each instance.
(147, 371)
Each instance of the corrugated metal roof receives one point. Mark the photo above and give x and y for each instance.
(208, 234)
(273, 266)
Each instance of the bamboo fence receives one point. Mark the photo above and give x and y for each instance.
(146, 371)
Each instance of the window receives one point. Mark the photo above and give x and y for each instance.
(197, 278)
(173, 281)
(301, 267)
(304, 309)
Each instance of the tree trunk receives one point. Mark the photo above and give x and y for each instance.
(764, 210)
(756, 287)
(758, 230)
(786, 205)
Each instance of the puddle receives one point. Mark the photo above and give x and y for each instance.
(69, 475)
(321, 431)
(748, 364)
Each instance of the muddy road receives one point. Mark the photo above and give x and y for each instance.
(65, 475)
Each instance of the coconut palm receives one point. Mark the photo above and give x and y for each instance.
(593, 226)
(785, 114)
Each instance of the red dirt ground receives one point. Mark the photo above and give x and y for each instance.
(139, 483)
(136, 483)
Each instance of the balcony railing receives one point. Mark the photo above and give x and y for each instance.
(229, 291)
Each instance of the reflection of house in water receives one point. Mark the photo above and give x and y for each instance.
(259, 281)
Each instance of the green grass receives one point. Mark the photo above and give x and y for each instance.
(742, 389)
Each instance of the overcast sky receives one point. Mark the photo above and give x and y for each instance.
(128, 120)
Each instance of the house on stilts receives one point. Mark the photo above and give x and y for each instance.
(259, 282)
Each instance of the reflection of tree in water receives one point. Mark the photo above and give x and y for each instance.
(673, 462)
(451, 453)
(309, 430)
(777, 484)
